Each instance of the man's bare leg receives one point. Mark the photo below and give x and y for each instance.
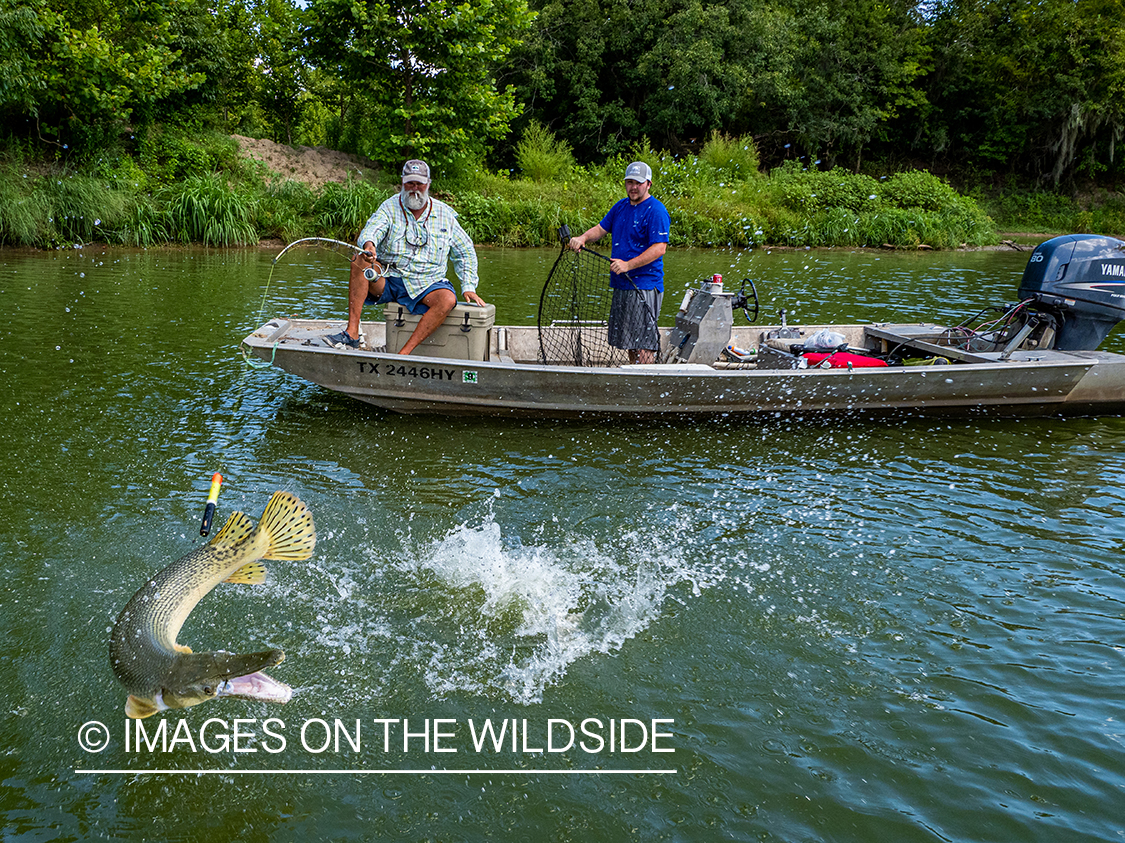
(358, 290)
(439, 302)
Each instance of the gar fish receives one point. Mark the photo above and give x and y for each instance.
(160, 674)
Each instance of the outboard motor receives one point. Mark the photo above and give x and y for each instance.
(1079, 279)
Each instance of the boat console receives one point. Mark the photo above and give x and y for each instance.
(703, 326)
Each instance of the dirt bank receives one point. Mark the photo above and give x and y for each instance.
(312, 165)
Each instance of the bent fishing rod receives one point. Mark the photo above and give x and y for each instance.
(333, 246)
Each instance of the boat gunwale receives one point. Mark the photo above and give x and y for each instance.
(1064, 359)
(538, 390)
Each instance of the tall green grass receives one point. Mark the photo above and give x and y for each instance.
(1038, 212)
(285, 210)
(145, 225)
(59, 208)
(206, 209)
(22, 210)
(716, 198)
(342, 209)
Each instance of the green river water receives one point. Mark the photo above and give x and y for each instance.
(689, 631)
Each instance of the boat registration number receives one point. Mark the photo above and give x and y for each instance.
(398, 370)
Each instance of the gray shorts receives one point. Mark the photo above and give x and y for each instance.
(632, 319)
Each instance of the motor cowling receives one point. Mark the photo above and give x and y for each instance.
(1080, 280)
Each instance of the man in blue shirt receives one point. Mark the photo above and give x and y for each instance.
(639, 224)
(407, 243)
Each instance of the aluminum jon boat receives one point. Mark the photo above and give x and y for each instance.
(1039, 357)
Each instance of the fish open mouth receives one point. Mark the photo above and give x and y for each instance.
(255, 686)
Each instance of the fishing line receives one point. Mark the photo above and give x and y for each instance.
(330, 244)
(338, 247)
(225, 439)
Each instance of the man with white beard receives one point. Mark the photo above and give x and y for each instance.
(407, 244)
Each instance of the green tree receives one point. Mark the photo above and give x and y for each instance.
(576, 70)
(282, 67)
(20, 30)
(77, 70)
(694, 74)
(422, 72)
(855, 69)
(825, 77)
(1028, 87)
(217, 44)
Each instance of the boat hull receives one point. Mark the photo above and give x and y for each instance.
(1024, 384)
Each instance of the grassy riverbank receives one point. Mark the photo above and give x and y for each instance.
(198, 189)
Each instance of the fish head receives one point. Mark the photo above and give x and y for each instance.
(196, 678)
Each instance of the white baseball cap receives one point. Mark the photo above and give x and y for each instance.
(638, 171)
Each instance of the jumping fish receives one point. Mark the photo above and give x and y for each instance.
(160, 674)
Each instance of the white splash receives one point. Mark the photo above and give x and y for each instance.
(524, 614)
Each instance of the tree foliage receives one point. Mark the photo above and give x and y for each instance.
(824, 76)
(1037, 87)
(420, 72)
(78, 69)
(1028, 87)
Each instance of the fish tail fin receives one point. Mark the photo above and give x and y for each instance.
(252, 573)
(237, 528)
(288, 523)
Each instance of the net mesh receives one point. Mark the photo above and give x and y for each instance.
(574, 313)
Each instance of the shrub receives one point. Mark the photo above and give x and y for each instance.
(688, 176)
(733, 157)
(173, 153)
(485, 218)
(813, 190)
(543, 157)
(919, 189)
(1109, 218)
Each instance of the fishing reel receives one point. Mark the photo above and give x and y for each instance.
(748, 304)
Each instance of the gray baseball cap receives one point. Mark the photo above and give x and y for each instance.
(415, 170)
(638, 171)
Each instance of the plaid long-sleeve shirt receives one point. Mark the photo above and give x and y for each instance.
(418, 251)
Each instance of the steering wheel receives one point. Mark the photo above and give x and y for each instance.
(749, 304)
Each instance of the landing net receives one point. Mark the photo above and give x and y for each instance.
(574, 313)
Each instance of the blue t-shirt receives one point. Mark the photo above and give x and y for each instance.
(634, 229)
